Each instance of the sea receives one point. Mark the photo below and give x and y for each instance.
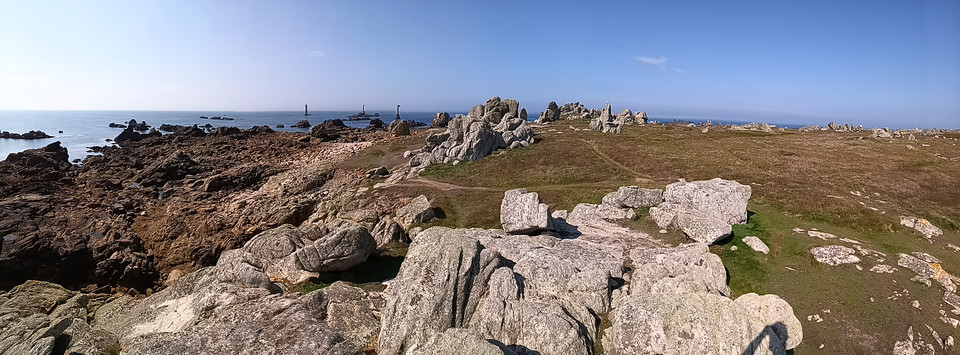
(79, 130)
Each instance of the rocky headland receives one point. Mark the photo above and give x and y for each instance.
(393, 240)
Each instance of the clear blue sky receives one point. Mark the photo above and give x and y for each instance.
(870, 62)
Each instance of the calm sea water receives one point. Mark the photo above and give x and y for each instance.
(82, 129)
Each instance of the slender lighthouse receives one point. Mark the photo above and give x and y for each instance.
(305, 112)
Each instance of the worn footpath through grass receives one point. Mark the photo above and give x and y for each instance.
(838, 183)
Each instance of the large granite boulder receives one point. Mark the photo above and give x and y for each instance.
(399, 128)
(633, 197)
(296, 254)
(702, 323)
(439, 285)
(418, 211)
(542, 293)
(551, 114)
(521, 212)
(704, 210)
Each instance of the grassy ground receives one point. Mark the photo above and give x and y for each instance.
(836, 182)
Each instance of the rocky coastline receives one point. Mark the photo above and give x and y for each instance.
(254, 241)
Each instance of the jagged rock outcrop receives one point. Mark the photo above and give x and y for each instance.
(131, 134)
(175, 166)
(626, 117)
(26, 136)
(606, 122)
(487, 128)
(551, 114)
(521, 212)
(440, 120)
(544, 294)
(704, 210)
(302, 124)
(641, 117)
(574, 111)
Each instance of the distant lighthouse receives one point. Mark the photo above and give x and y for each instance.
(305, 112)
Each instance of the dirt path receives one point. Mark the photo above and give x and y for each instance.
(609, 160)
(441, 186)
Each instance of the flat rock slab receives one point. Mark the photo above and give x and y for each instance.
(835, 255)
(756, 244)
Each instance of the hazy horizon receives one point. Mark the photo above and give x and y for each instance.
(885, 63)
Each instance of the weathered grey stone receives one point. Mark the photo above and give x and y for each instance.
(458, 341)
(756, 244)
(704, 210)
(350, 311)
(209, 312)
(921, 225)
(551, 114)
(521, 212)
(725, 200)
(399, 128)
(835, 255)
(339, 250)
(389, 231)
(438, 287)
(701, 323)
(684, 269)
(34, 314)
(928, 271)
(418, 211)
(586, 212)
(536, 326)
(605, 122)
(633, 197)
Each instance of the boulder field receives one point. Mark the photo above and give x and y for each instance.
(543, 284)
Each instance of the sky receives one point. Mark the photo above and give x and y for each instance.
(871, 62)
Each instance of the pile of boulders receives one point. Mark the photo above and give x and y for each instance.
(704, 210)
(606, 122)
(528, 289)
(497, 124)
